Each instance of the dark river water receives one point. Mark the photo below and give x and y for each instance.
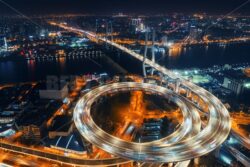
(205, 56)
(199, 56)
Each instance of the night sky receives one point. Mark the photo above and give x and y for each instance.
(126, 6)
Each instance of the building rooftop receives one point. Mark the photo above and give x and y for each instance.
(71, 142)
(237, 75)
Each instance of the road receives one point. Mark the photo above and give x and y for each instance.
(169, 149)
(213, 135)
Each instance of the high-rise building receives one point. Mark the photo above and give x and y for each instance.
(3, 44)
(56, 88)
(236, 82)
(136, 22)
(234, 85)
(195, 33)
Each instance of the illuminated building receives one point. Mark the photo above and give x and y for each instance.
(138, 25)
(237, 82)
(31, 132)
(234, 85)
(195, 33)
(136, 22)
(3, 44)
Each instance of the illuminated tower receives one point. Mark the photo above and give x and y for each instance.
(5, 44)
(164, 41)
(96, 26)
(109, 31)
(145, 54)
(153, 50)
(144, 65)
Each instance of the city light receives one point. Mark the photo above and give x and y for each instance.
(247, 85)
(128, 84)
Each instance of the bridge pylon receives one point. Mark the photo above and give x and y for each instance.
(109, 31)
(147, 69)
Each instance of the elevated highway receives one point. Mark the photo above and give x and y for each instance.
(174, 148)
(213, 135)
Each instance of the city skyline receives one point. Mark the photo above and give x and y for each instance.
(125, 83)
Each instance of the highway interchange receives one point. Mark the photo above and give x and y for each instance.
(212, 136)
(189, 141)
(170, 149)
